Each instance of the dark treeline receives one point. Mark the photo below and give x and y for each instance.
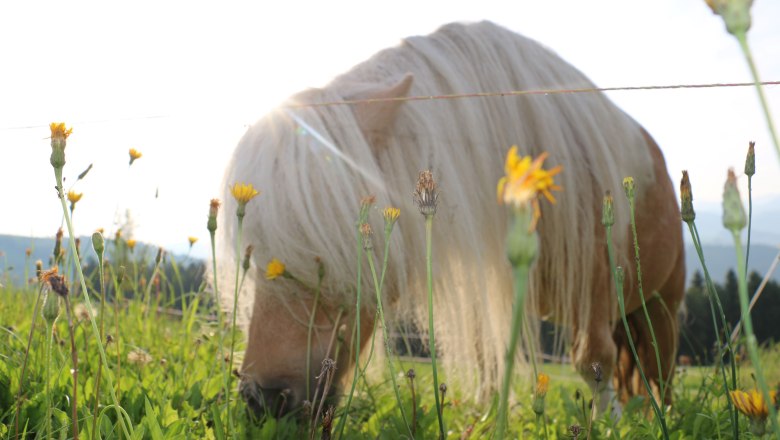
(698, 337)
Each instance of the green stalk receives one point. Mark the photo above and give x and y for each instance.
(752, 344)
(370, 257)
(102, 331)
(26, 356)
(356, 341)
(221, 320)
(308, 340)
(750, 219)
(661, 378)
(715, 300)
(431, 332)
(743, 44)
(518, 309)
(49, 343)
(233, 325)
(622, 305)
(126, 425)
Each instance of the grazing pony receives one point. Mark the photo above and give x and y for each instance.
(314, 163)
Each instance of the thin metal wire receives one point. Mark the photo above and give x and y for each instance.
(507, 93)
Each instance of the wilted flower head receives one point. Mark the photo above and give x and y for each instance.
(608, 210)
(274, 269)
(525, 181)
(597, 372)
(134, 154)
(139, 357)
(365, 207)
(211, 225)
(425, 195)
(735, 14)
(365, 233)
(686, 199)
(247, 257)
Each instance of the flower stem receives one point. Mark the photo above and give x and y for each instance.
(431, 332)
(743, 44)
(622, 306)
(220, 318)
(389, 350)
(308, 340)
(661, 378)
(356, 341)
(233, 325)
(125, 424)
(518, 309)
(752, 344)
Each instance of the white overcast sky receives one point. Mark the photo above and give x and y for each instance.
(180, 81)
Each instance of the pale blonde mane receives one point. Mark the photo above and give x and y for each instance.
(310, 197)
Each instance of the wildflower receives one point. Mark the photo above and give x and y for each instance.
(391, 215)
(58, 284)
(735, 14)
(750, 160)
(98, 244)
(411, 374)
(365, 206)
(752, 405)
(39, 269)
(575, 430)
(28, 252)
(247, 257)
(686, 199)
(365, 233)
(525, 180)
(59, 136)
(131, 244)
(73, 198)
(734, 218)
(629, 187)
(608, 212)
(139, 357)
(274, 269)
(118, 235)
(542, 385)
(243, 193)
(134, 154)
(425, 195)
(211, 225)
(58, 245)
(192, 240)
(81, 312)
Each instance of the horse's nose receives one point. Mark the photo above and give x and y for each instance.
(268, 402)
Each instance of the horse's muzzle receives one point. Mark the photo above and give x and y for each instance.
(267, 402)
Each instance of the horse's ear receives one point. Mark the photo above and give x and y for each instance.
(376, 118)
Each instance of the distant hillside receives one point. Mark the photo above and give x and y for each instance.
(721, 258)
(12, 254)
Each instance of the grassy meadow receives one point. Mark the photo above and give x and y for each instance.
(110, 340)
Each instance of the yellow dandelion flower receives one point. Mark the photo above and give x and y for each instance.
(751, 403)
(74, 197)
(525, 181)
(59, 131)
(274, 269)
(134, 154)
(131, 244)
(243, 193)
(192, 240)
(542, 385)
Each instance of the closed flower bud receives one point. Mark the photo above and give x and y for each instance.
(98, 244)
(522, 242)
(51, 307)
(750, 160)
(213, 209)
(686, 199)
(734, 218)
(628, 187)
(607, 210)
(735, 14)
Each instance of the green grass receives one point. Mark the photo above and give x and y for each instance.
(179, 392)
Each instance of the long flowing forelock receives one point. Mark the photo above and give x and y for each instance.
(309, 204)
